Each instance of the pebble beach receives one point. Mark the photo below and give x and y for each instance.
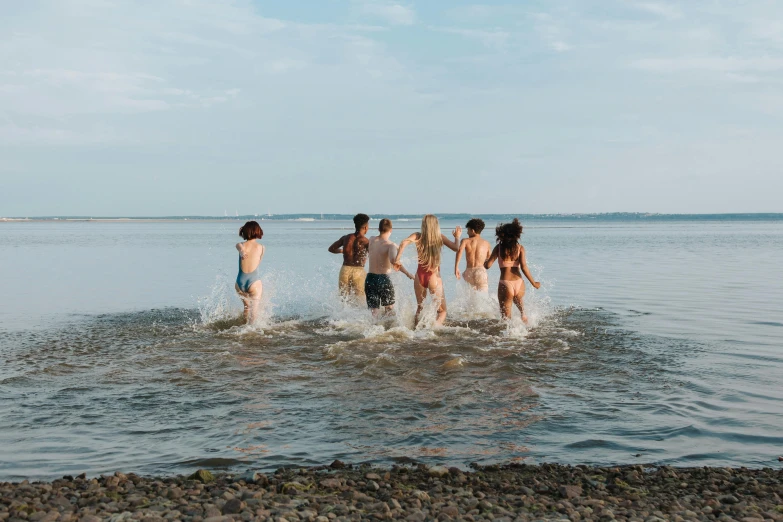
(342, 492)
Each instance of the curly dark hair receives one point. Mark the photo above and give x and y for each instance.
(359, 220)
(508, 235)
(476, 225)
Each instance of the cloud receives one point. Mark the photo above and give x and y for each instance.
(665, 10)
(392, 13)
(492, 38)
(551, 32)
(708, 63)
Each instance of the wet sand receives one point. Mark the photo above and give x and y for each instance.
(409, 492)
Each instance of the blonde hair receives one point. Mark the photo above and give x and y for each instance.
(430, 243)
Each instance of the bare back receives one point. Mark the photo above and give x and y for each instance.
(354, 249)
(476, 251)
(382, 252)
(250, 255)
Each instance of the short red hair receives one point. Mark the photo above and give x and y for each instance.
(251, 230)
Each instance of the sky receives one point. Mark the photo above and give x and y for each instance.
(200, 107)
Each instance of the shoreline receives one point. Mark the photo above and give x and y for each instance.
(361, 492)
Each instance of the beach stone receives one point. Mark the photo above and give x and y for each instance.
(337, 464)
(373, 476)
(451, 511)
(233, 506)
(203, 476)
(331, 483)
(570, 491)
(90, 518)
(438, 471)
(373, 486)
(420, 495)
(728, 499)
(221, 518)
(250, 477)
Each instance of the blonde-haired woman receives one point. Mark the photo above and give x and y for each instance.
(428, 246)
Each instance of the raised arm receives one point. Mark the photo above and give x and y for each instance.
(337, 246)
(405, 242)
(453, 245)
(494, 255)
(459, 256)
(523, 262)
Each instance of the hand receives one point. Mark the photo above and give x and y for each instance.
(457, 232)
(397, 266)
(537, 285)
(456, 273)
(410, 276)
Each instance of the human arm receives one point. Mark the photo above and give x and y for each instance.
(523, 263)
(393, 258)
(241, 252)
(453, 245)
(337, 246)
(491, 259)
(405, 242)
(462, 245)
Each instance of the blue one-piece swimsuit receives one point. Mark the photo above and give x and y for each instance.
(245, 279)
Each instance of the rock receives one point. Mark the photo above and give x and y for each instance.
(373, 486)
(203, 476)
(221, 518)
(373, 476)
(421, 495)
(337, 464)
(330, 483)
(250, 477)
(233, 506)
(485, 505)
(728, 499)
(90, 518)
(570, 492)
(451, 511)
(438, 471)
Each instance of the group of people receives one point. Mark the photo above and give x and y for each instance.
(384, 256)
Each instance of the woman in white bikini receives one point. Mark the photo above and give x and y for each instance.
(511, 257)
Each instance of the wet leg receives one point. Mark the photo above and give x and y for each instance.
(253, 302)
(519, 301)
(421, 294)
(436, 288)
(504, 299)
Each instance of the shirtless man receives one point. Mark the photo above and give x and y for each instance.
(353, 247)
(477, 251)
(378, 286)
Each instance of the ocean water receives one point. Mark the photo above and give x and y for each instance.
(650, 342)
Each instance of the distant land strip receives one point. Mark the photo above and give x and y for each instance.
(307, 217)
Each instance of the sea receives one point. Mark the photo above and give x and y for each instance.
(652, 340)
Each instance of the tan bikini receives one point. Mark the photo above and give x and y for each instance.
(514, 287)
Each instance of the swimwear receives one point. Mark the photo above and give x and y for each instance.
(379, 290)
(477, 276)
(351, 279)
(246, 279)
(513, 287)
(423, 274)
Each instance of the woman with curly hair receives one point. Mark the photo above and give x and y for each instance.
(511, 256)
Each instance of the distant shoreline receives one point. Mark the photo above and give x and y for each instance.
(315, 218)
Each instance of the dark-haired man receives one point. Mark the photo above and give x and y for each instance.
(378, 286)
(477, 250)
(353, 247)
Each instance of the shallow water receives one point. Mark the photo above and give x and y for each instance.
(121, 349)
